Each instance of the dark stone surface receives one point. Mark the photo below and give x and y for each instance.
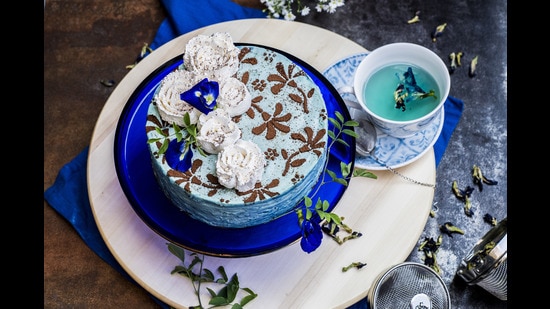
(86, 41)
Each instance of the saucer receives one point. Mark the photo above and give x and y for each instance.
(395, 152)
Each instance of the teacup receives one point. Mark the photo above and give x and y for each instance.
(402, 87)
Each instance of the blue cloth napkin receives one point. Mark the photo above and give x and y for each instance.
(69, 195)
(187, 15)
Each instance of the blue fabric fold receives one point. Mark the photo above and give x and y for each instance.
(187, 15)
(453, 112)
(69, 195)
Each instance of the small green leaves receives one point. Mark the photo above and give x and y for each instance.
(335, 178)
(330, 223)
(225, 296)
(359, 172)
(189, 133)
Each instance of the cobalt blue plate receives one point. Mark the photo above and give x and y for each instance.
(135, 174)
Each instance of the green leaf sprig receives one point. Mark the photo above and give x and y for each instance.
(331, 222)
(188, 133)
(225, 296)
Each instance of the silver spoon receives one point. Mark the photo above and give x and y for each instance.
(366, 142)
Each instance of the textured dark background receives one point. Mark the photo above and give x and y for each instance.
(86, 41)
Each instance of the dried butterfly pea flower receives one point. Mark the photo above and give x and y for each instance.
(449, 228)
(479, 256)
(461, 194)
(490, 219)
(473, 64)
(452, 68)
(464, 196)
(456, 191)
(357, 265)
(458, 57)
(430, 260)
(480, 179)
(438, 31)
(429, 246)
(468, 207)
(408, 90)
(434, 210)
(144, 51)
(415, 19)
(107, 83)
(332, 229)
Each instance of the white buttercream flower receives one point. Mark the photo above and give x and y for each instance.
(170, 106)
(234, 97)
(217, 131)
(240, 165)
(214, 56)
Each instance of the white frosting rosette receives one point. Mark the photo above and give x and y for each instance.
(170, 106)
(217, 131)
(240, 165)
(234, 97)
(214, 56)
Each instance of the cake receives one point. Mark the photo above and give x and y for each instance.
(252, 157)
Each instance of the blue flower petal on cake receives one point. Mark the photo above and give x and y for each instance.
(177, 157)
(203, 95)
(312, 236)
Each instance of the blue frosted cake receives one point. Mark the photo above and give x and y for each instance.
(257, 153)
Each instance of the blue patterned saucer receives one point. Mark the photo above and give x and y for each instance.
(396, 152)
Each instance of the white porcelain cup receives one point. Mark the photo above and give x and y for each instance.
(407, 54)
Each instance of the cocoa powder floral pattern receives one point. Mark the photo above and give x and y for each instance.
(286, 78)
(311, 143)
(273, 123)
